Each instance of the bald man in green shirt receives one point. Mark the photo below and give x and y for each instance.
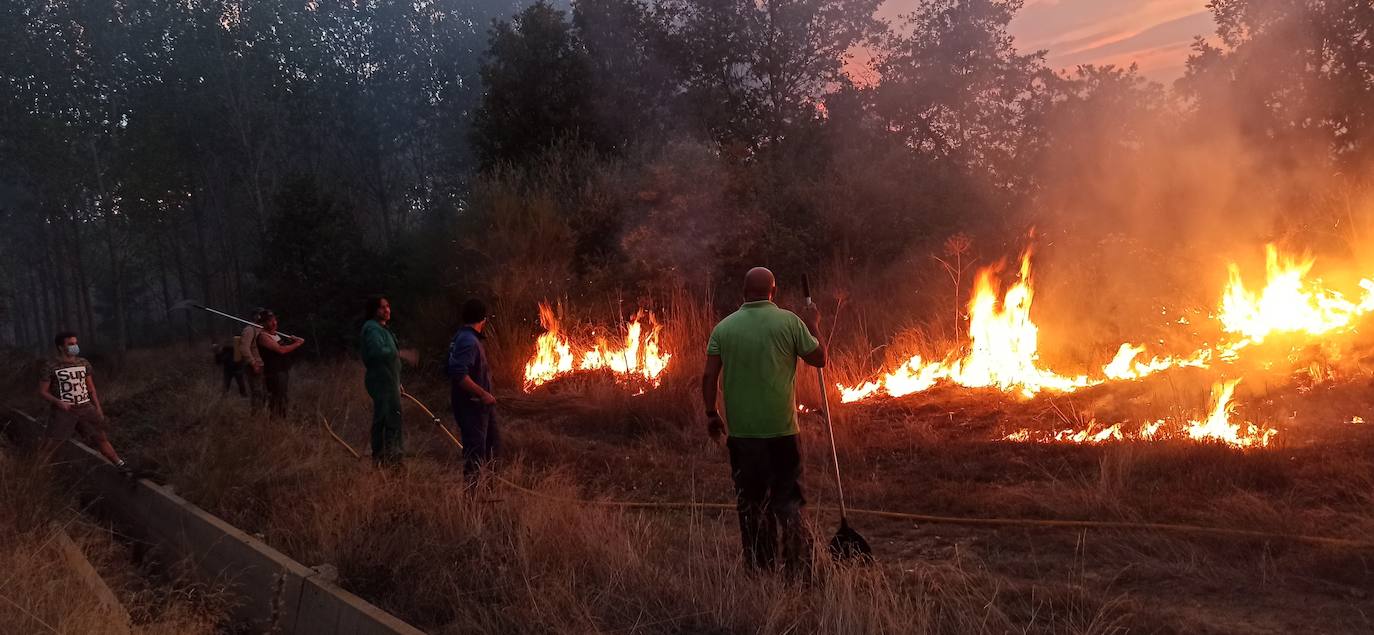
(756, 348)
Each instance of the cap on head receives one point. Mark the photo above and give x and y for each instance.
(759, 284)
(264, 315)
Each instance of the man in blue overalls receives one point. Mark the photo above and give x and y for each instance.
(474, 407)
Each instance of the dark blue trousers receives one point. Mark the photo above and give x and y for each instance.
(479, 431)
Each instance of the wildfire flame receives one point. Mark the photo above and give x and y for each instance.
(1216, 427)
(1288, 303)
(1125, 365)
(1003, 350)
(1003, 339)
(638, 358)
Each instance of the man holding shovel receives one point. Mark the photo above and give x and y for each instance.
(756, 348)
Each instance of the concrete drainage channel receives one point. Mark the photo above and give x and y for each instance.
(273, 593)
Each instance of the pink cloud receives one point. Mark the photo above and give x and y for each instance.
(1155, 34)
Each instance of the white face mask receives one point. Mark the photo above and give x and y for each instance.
(74, 349)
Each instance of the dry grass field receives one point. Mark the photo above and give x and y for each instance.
(502, 560)
(40, 592)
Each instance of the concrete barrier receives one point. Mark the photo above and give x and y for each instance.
(119, 621)
(273, 593)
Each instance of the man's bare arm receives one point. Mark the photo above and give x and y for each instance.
(811, 317)
(710, 382)
(710, 390)
(45, 391)
(270, 343)
(95, 398)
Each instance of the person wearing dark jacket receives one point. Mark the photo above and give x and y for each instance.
(382, 358)
(474, 406)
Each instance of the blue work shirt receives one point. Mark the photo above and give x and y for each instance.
(467, 358)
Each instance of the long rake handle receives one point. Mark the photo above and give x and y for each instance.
(234, 318)
(825, 411)
(830, 429)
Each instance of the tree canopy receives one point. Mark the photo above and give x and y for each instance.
(307, 154)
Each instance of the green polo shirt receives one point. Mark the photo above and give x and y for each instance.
(758, 347)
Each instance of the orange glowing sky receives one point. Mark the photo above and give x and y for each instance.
(1156, 34)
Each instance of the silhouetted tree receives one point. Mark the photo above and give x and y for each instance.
(753, 70)
(1293, 74)
(954, 86)
(535, 78)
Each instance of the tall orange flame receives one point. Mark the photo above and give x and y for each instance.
(1289, 303)
(1003, 349)
(1003, 340)
(639, 358)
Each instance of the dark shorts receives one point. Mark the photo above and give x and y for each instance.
(83, 419)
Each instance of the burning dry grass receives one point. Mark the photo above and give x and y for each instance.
(501, 561)
(40, 592)
(1002, 351)
(635, 359)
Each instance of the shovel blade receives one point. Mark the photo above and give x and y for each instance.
(849, 545)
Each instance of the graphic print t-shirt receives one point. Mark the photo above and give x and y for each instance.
(67, 380)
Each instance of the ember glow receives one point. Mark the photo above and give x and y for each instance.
(637, 358)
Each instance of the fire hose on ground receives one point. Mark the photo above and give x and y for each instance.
(1326, 541)
(973, 521)
(434, 419)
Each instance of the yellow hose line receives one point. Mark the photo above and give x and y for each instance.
(931, 519)
(421, 405)
(449, 434)
(330, 430)
(962, 520)
(994, 522)
(435, 419)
